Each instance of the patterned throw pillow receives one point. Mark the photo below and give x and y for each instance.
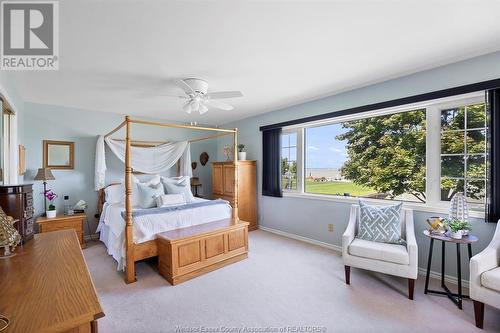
(380, 224)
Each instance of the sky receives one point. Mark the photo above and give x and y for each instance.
(322, 149)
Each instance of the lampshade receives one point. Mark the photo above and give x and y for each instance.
(44, 174)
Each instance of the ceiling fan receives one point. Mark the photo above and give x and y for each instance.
(200, 100)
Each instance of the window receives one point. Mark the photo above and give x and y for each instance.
(463, 152)
(423, 153)
(289, 161)
(377, 157)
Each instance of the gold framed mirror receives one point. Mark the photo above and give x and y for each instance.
(58, 154)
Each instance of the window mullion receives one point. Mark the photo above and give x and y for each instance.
(300, 160)
(433, 158)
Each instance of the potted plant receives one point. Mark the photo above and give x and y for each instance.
(455, 226)
(466, 227)
(51, 210)
(242, 155)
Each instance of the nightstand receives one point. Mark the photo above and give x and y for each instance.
(63, 222)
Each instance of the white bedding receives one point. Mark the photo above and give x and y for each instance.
(146, 227)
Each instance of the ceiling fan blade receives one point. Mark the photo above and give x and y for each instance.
(187, 88)
(218, 105)
(175, 96)
(224, 94)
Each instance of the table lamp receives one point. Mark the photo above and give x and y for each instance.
(44, 174)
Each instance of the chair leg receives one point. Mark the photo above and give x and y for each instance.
(479, 313)
(347, 274)
(411, 288)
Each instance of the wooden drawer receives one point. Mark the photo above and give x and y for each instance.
(63, 223)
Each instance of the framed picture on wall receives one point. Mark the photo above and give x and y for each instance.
(58, 154)
(22, 160)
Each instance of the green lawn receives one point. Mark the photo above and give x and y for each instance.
(337, 187)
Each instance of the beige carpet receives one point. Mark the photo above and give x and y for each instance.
(284, 283)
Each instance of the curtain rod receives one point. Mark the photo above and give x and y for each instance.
(155, 143)
(154, 123)
(116, 129)
(484, 85)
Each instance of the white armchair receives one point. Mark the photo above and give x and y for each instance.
(485, 278)
(392, 259)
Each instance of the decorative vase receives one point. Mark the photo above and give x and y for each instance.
(242, 155)
(456, 234)
(465, 232)
(51, 213)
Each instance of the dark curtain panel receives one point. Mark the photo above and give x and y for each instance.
(271, 163)
(493, 200)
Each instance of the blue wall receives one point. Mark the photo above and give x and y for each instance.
(48, 122)
(309, 217)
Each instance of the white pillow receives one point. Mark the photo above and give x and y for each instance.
(114, 194)
(170, 200)
(151, 180)
(178, 185)
(146, 179)
(148, 193)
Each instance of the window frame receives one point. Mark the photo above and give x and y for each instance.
(433, 150)
(299, 146)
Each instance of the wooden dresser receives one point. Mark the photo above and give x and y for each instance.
(17, 201)
(223, 187)
(46, 287)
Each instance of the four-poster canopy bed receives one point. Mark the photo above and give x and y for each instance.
(135, 252)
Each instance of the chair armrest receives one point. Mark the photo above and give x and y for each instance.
(411, 241)
(350, 231)
(487, 259)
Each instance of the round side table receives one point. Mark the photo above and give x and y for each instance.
(445, 238)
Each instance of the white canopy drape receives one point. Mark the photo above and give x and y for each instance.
(151, 160)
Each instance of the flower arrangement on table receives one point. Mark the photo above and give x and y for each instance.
(457, 227)
(227, 152)
(51, 196)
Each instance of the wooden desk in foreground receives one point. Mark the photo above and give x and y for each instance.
(47, 287)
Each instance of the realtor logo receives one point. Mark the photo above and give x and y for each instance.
(30, 35)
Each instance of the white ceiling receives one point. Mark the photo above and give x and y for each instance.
(116, 56)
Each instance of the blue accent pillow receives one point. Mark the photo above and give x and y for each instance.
(147, 194)
(380, 224)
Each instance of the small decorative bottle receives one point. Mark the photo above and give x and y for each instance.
(67, 206)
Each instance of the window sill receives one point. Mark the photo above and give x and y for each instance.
(440, 209)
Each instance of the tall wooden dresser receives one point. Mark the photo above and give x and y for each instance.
(17, 201)
(223, 187)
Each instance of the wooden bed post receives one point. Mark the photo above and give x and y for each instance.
(129, 238)
(235, 162)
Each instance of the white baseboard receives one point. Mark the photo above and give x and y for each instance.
(303, 239)
(421, 271)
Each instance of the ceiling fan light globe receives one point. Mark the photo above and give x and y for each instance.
(203, 108)
(187, 108)
(195, 105)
